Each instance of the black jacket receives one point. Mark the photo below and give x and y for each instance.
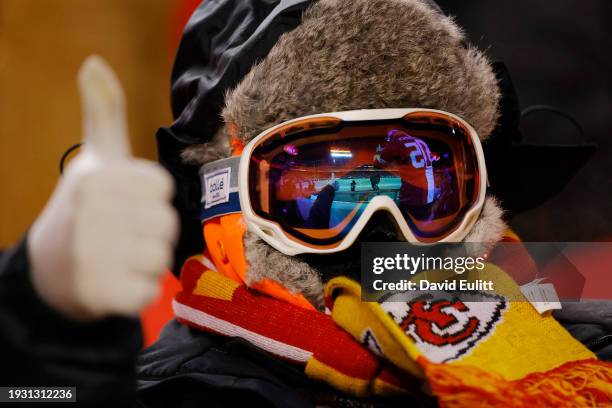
(190, 368)
(186, 368)
(39, 347)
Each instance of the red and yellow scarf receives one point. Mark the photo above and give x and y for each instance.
(505, 353)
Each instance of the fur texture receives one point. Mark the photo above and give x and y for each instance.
(296, 275)
(490, 225)
(358, 54)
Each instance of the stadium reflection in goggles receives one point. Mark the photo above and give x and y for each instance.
(310, 185)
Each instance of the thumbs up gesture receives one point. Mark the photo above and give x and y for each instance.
(108, 231)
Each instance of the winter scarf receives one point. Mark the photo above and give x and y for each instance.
(468, 354)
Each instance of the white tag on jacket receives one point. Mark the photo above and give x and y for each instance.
(542, 296)
(217, 187)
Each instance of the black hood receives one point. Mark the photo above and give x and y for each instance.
(220, 44)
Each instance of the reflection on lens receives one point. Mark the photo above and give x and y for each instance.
(316, 183)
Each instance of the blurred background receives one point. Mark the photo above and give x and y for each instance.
(42, 45)
(558, 54)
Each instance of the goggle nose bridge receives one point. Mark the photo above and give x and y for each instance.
(383, 204)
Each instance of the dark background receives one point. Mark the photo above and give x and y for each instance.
(558, 53)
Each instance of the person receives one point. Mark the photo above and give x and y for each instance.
(254, 331)
(193, 364)
(416, 158)
(374, 180)
(72, 289)
(320, 212)
(353, 185)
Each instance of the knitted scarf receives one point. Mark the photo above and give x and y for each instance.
(497, 353)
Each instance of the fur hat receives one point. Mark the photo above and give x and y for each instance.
(357, 54)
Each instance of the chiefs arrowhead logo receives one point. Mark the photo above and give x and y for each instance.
(447, 329)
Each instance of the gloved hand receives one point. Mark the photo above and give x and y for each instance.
(108, 231)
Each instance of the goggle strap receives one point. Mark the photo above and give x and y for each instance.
(219, 181)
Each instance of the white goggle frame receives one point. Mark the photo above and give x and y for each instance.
(274, 235)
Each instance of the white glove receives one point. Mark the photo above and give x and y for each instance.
(108, 231)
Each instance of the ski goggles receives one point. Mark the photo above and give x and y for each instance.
(310, 185)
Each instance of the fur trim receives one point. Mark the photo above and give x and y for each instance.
(490, 226)
(295, 275)
(358, 54)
